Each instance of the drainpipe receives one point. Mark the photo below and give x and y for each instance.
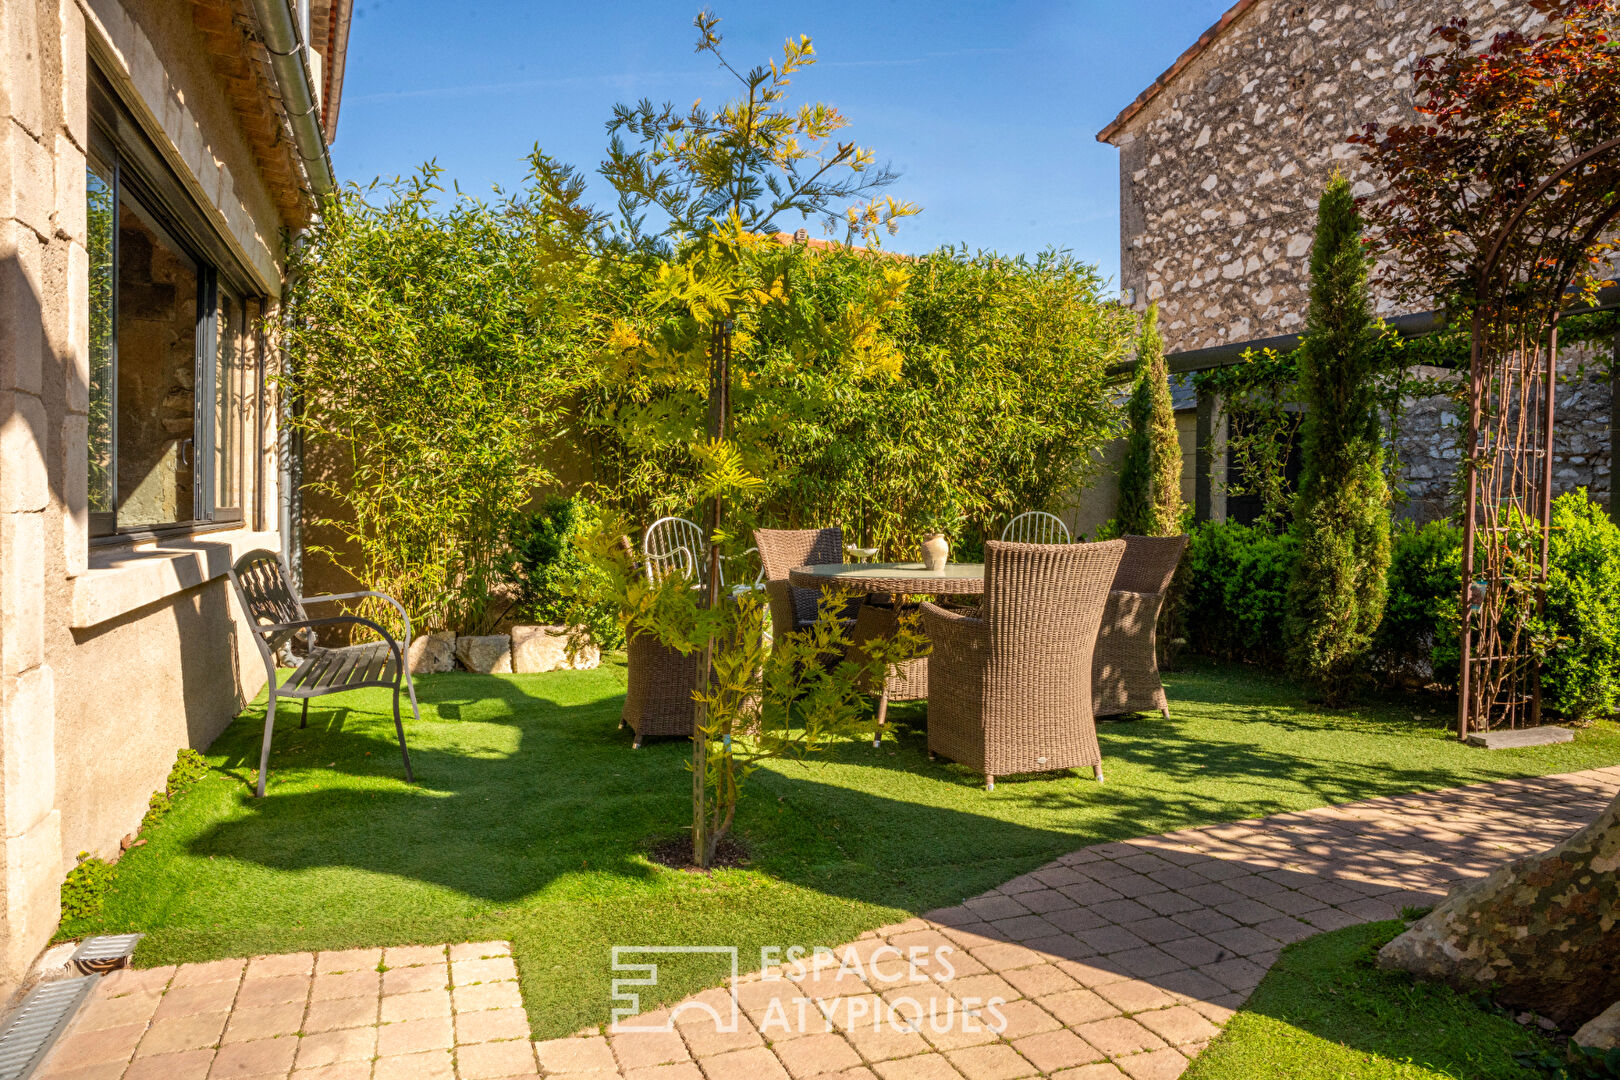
(290, 61)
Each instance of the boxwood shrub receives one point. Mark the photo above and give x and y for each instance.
(1236, 583)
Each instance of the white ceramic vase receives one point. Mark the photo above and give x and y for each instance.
(935, 550)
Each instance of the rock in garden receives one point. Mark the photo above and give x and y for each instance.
(487, 654)
(432, 654)
(1538, 934)
(545, 648)
(1602, 1032)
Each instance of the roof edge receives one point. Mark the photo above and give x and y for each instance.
(334, 61)
(1205, 40)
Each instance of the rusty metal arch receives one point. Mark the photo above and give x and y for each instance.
(1498, 681)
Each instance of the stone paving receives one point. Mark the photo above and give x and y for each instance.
(1119, 959)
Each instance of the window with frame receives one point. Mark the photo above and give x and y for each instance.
(169, 419)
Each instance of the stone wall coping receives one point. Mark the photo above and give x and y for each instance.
(120, 581)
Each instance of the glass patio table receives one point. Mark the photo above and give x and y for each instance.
(893, 579)
(897, 579)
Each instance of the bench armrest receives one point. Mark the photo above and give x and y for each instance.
(389, 600)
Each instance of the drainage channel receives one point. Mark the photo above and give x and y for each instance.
(47, 1009)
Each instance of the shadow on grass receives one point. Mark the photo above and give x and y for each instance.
(1325, 1010)
(519, 785)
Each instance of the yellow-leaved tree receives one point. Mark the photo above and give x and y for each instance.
(672, 287)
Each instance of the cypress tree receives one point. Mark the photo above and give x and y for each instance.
(1341, 515)
(1150, 476)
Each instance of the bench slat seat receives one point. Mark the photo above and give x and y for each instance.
(264, 589)
(347, 668)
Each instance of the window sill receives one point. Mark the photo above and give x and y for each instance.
(121, 580)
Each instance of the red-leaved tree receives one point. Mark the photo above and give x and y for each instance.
(1499, 202)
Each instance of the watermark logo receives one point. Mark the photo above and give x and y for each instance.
(802, 990)
(645, 974)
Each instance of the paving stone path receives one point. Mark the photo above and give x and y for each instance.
(1119, 959)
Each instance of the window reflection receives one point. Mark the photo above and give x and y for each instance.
(102, 221)
(157, 374)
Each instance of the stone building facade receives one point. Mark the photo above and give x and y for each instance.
(150, 166)
(1222, 160)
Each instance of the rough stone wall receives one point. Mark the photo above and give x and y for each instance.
(1432, 434)
(1219, 180)
(1221, 172)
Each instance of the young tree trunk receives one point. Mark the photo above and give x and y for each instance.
(1542, 933)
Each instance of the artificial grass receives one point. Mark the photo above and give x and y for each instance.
(1325, 1012)
(531, 815)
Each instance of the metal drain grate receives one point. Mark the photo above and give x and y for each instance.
(104, 953)
(38, 1021)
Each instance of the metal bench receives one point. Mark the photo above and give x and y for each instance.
(264, 589)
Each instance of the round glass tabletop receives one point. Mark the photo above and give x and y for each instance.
(891, 577)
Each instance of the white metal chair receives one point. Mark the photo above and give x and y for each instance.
(1036, 527)
(674, 545)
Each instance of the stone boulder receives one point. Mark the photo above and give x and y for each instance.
(1538, 934)
(545, 648)
(432, 654)
(486, 654)
(1602, 1032)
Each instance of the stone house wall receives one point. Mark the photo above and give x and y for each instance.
(112, 656)
(1220, 172)
(1221, 169)
(1431, 435)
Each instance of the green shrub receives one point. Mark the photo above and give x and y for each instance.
(1341, 516)
(86, 887)
(189, 767)
(1150, 475)
(1235, 576)
(1236, 584)
(430, 393)
(1581, 678)
(1418, 637)
(547, 570)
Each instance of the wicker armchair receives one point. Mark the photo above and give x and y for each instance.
(658, 697)
(1125, 669)
(661, 681)
(780, 550)
(1010, 692)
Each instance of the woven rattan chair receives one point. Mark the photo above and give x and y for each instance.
(1125, 670)
(1036, 527)
(780, 550)
(264, 589)
(660, 682)
(1010, 692)
(658, 694)
(658, 697)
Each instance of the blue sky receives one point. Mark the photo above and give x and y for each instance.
(988, 110)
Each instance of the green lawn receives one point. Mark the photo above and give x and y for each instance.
(531, 815)
(1324, 1012)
